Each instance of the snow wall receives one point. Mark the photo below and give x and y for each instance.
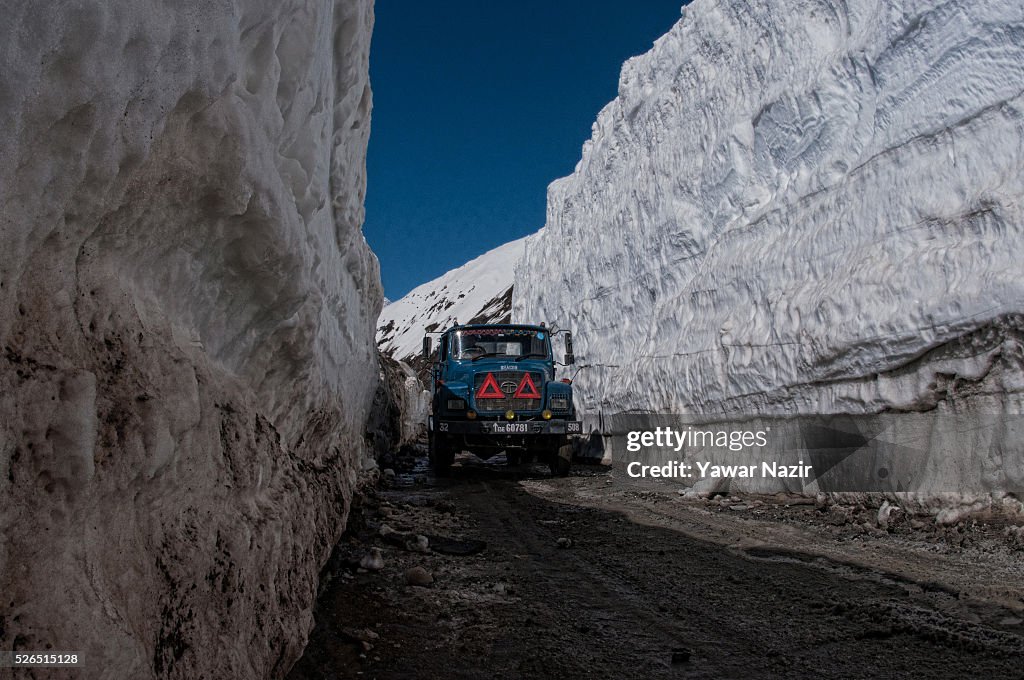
(187, 307)
(803, 207)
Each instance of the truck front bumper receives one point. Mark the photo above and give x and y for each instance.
(503, 427)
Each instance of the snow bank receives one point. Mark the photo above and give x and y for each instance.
(186, 314)
(799, 208)
(479, 291)
(399, 415)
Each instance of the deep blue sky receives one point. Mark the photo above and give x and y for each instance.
(477, 107)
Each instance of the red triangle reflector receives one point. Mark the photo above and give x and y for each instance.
(527, 390)
(489, 389)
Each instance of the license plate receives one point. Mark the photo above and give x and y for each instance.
(510, 428)
(573, 427)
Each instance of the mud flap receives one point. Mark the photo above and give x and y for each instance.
(561, 462)
(441, 454)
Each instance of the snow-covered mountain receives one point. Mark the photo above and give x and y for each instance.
(808, 206)
(479, 291)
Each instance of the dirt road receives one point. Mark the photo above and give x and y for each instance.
(585, 577)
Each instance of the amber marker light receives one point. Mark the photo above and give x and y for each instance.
(546, 414)
(510, 415)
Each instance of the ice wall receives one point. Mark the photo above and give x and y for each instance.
(809, 206)
(187, 307)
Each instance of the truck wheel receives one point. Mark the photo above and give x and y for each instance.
(441, 455)
(561, 461)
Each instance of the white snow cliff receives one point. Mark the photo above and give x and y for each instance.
(187, 308)
(801, 207)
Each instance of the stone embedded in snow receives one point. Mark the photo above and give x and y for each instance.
(187, 308)
(802, 208)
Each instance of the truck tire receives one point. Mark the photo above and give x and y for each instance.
(561, 460)
(441, 453)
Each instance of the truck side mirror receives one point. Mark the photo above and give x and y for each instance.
(570, 358)
(426, 347)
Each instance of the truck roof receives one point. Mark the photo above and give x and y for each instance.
(471, 326)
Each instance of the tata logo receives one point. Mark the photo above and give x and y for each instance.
(509, 387)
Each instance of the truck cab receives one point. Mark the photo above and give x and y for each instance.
(494, 389)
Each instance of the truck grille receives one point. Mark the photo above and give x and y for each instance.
(508, 381)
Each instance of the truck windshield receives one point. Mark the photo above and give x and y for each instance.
(510, 343)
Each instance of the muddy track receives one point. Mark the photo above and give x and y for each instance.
(628, 598)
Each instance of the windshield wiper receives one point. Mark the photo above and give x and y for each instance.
(485, 354)
(542, 355)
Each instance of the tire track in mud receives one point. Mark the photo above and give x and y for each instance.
(595, 602)
(724, 606)
(950, 616)
(631, 597)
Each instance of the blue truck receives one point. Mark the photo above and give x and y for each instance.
(494, 389)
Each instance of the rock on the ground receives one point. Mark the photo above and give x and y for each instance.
(839, 515)
(187, 306)
(884, 513)
(373, 560)
(418, 543)
(418, 576)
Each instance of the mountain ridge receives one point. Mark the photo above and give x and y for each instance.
(479, 291)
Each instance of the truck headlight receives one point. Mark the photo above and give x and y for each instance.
(559, 404)
(456, 404)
